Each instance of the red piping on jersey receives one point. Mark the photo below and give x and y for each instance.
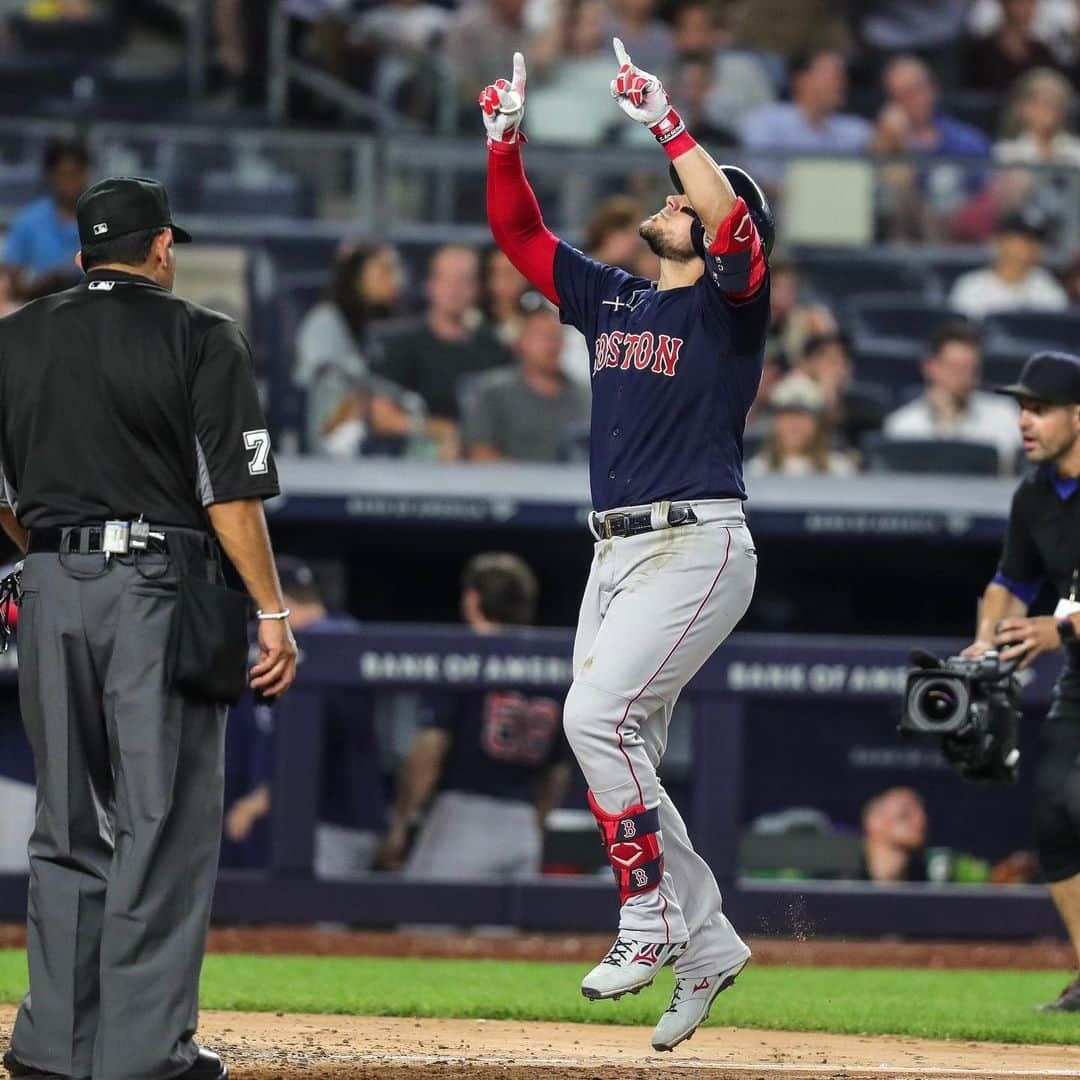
(515, 219)
(618, 728)
(736, 234)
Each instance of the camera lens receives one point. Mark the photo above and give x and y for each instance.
(938, 703)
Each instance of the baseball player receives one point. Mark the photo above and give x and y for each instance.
(675, 366)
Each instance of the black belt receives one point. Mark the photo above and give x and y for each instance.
(83, 540)
(641, 521)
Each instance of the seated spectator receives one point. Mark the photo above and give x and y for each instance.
(345, 404)
(996, 61)
(894, 837)
(738, 80)
(448, 342)
(505, 292)
(613, 234)
(951, 406)
(580, 63)
(812, 120)
(1037, 123)
(794, 319)
(44, 237)
(851, 408)
(1056, 24)
(10, 297)
(1015, 279)
(799, 435)
(648, 40)
(526, 413)
(927, 27)
(352, 812)
(911, 121)
(786, 29)
(482, 38)
(497, 758)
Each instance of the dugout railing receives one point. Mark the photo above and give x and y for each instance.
(797, 672)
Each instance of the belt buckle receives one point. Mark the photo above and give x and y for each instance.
(610, 521)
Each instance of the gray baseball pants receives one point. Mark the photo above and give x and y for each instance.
(124, 852)
(656, 606)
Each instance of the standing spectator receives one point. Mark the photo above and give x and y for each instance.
(352, 812)
(481, 36)
(1037, 123)
(852, 409)
(448, 343)
(44, 236)
(894, 837)
(497, 758)
(1015, 279)
(526, 413)
(345, 403)
(505, 291)
(812, 120)
(951, 406)
(910, 121)
(995, 62)
(799, 434)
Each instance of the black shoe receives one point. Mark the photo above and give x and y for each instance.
(1068, 1000)
(27, 1072)
(207, 1066)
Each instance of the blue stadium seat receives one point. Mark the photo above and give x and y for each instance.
(1001, 366)
(1029, 331)
(889, 318)
(835, 276)
(884, 455)
(279, 195)
(894, 365)
(20, 184)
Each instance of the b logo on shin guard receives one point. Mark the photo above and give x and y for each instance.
(641, 879)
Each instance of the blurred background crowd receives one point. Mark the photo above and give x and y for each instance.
(923, 160)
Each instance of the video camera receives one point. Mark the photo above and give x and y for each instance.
(970, 703)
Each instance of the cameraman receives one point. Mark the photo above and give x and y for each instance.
(1042, 544)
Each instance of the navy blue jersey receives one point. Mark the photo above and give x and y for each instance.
(502, 741)
(674, 374)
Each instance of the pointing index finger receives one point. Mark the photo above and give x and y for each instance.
(517, 84)
(620, 52)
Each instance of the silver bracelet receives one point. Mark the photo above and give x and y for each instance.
(283, 614)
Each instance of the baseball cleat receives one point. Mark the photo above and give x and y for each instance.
(27, 1072)
(690, 1005)
(629, 967)
(1067, 1001)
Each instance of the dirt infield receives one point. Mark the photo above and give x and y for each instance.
(265, 1046)
(583, 948)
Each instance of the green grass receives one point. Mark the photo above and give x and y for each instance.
(996, 1005)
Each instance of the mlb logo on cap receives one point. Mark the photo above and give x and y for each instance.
(100, 229)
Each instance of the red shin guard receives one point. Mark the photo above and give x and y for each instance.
(632, 844)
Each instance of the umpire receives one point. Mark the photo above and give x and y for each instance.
(1042, 547)
(132, 443)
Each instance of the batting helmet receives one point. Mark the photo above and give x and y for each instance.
(744, 185)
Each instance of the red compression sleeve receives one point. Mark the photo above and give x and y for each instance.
(515, 219)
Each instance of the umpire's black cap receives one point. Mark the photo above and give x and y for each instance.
(1053, 377)
(119, 205)
(745, 186)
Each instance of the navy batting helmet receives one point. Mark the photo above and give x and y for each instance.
(744, 185)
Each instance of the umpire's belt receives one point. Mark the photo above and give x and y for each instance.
(85, 540)
(661, 515)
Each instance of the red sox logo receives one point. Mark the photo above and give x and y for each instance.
(629, 828)
(641, 879)
(642, 352)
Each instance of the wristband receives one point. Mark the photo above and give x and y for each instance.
(267, 615)
(670, 132)
(1067, 631)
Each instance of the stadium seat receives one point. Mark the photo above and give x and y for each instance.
(278, 195)
(890, 318)
(835, 276)
(20, 184)
(891, 364)
(1001, 367)
(1029, 331)
(884, 455)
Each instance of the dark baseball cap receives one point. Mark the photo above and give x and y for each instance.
(119, 205)
(294, 574)
(1029, 220)
(1053, 377)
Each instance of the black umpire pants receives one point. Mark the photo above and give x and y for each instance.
(123, 857)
